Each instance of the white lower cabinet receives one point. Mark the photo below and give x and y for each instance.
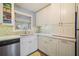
(56, 47)
(47, 45)
(66, 48)
(28, 44)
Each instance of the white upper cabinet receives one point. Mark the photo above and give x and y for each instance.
(22, 20)
(57, 13)
(49, 15)
(69, 30)
(68, 13)
(54, 14)
(68, 20)
(61, 18)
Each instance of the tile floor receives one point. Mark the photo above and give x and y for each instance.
(37, 53)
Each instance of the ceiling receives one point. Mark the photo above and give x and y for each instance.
(32, 6)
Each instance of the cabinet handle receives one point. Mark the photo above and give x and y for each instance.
(59, 23)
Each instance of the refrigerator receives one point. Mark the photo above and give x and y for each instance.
(77, 30)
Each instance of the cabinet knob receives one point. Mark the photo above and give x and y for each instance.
(59, 23)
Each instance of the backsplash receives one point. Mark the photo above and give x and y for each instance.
(8, 30)
(45, 29)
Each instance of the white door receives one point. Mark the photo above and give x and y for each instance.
(66, 48)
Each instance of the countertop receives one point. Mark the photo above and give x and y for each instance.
(57, 37)
(9, 37)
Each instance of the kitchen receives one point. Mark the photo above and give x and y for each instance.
(50, 28)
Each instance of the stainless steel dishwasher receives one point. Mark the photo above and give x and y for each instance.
(10, 47)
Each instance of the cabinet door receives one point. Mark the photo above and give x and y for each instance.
(69, 30)
(52, 47)
(1, 12)
(43, 44)
(56, 29)
(68, 13)
(68, 19)
(23, 46)
(28, 44)
(48, 45)
(33, 43)
(49, 15)
(66, 48)
(54, 13)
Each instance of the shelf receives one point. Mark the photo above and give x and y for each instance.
(6, 12)
(21, 13)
